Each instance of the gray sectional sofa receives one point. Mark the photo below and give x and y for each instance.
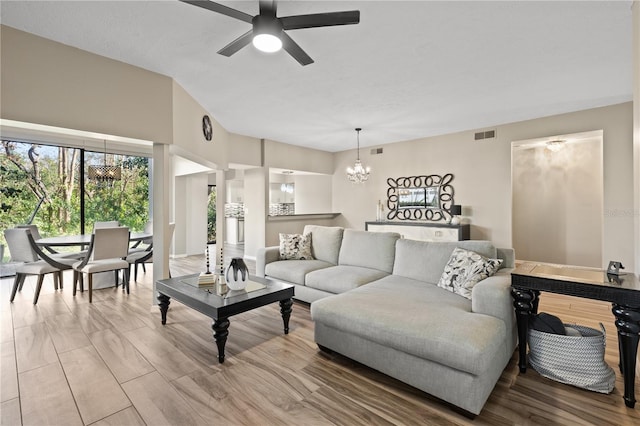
(374, 298)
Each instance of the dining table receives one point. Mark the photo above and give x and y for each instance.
(83, 239)
(102, 279)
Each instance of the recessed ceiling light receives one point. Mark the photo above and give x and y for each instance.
(556, 145)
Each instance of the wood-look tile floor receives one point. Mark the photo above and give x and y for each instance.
(68, 362)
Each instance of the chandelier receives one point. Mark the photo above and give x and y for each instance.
(358, 173)
(105, 175)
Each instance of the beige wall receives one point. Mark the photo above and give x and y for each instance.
(482, 174)
(284, 156)
(557, 202)
(188, 138)
(50, 83)
(244, 150)
(313, 194)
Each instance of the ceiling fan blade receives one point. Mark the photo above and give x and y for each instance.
(237, 44)
(219, 8)
(268, 7)
(320, 20)
(294, 50)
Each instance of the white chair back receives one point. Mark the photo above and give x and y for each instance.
(19, 246)
(108, 224)
(110, 243)
(35, 233)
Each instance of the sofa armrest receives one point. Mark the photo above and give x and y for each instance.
(264, 256)
(492, 296)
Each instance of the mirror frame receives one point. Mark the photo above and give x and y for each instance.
(423, 210)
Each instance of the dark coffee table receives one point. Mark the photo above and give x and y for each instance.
(529, 279)
(220, 308)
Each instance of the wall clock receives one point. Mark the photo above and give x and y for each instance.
(207, 128)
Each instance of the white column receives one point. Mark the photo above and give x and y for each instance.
(161, 203)
(256, 202)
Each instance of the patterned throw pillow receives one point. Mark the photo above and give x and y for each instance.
(465, 269)
(295, 247)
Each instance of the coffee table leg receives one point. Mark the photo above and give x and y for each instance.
(628, 325)
(220, 332)
(163, 302)
(524, 302)
(285, 310)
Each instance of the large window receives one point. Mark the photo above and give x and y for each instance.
(43, 185)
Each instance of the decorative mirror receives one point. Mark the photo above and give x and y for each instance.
(420, 197)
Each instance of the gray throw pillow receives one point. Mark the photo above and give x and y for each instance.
(295, 247)
(465, 269)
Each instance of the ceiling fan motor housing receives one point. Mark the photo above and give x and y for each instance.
(266, 25)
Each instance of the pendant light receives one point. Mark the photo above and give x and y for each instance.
(105, 175)
(358, 173)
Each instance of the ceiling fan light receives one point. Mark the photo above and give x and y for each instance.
(267, 43)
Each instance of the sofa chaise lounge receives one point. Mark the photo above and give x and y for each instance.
(375, 299)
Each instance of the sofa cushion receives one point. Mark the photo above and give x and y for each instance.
(420, 319)
(325, 242)
(375, 250)
(465, 269)
(293, 270)
(341, 278)
(295, 246)
(425, 260)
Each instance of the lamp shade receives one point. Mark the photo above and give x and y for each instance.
(456, 210)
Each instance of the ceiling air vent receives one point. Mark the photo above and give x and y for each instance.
(489, 134)
(376, 151)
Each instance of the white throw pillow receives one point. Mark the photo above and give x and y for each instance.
(465, 269)
(295, 247)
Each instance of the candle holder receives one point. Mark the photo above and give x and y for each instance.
(221, 283)
(206, 278)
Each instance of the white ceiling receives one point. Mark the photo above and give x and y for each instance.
(410, 69)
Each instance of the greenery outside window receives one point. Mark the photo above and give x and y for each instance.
(43, 185)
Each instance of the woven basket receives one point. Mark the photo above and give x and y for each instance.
(574, 360)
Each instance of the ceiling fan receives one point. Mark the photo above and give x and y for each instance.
(268, 32)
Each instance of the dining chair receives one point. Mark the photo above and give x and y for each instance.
(33, 261)
(107, 252)
(106, 224)
(35, 233)
(136, 258)
(143, 245)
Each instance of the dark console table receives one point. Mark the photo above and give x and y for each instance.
(423, 231)
(529, 279)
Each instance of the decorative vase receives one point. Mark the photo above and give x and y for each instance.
(237, 281)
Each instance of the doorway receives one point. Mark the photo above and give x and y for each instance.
(557, 199)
